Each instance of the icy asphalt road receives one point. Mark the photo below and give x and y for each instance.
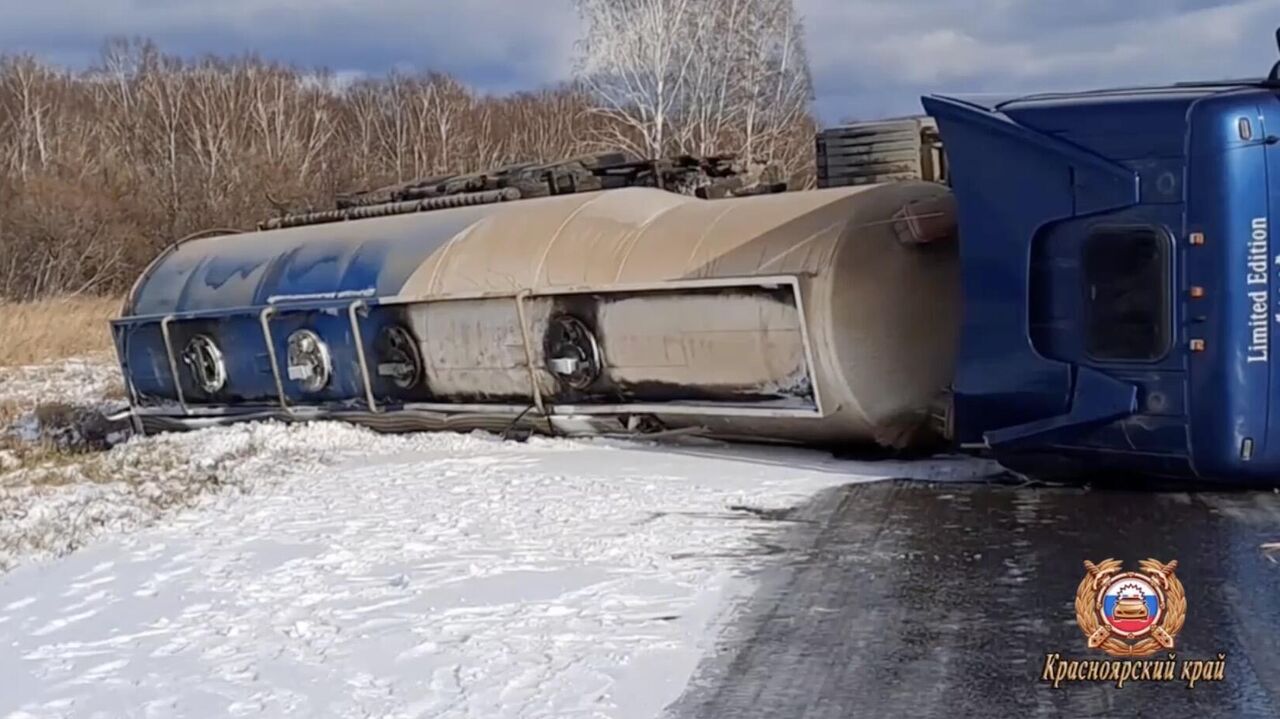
(906, 599)
(427, 576)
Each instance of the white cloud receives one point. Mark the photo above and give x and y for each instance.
(870, 57)
(875, 57)
(499, 44)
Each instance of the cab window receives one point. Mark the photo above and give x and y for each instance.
(1127, 308)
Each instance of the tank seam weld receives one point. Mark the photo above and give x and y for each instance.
(801, 244)
(444, 255)
(537, 273)
(707, 232)
(638, 232)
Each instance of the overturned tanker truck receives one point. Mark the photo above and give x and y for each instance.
(1090, 289)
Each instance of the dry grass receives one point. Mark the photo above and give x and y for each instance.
(9, 411)
(37, 332)
(34, 337)
(16, 453)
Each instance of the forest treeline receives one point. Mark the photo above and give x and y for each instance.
(101, 169)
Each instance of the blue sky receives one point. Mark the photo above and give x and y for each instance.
(870, 58)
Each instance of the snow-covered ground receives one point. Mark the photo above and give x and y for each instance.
(323, 570)
(83, 381)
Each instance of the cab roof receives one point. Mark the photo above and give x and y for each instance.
(999, 102)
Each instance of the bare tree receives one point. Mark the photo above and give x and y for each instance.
(30, 92)
(101, 169)
(636, 59)
(697, 76)
(773, 84)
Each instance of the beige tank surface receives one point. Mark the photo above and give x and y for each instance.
(826, 316)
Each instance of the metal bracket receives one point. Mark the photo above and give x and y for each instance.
(528, 351)
(264, 318)
(173, 362)
(353, 312)
(120, 344)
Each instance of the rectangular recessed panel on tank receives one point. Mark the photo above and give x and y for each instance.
(681, 345)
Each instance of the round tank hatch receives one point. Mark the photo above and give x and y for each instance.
(573, 354)
(399, 359)
(309, 362)
(204, 360)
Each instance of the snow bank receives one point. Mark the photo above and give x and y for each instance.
(62, 504)
(436, 575)
(88, 381)
(324, 570)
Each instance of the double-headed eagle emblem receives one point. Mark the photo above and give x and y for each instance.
(1130, 614)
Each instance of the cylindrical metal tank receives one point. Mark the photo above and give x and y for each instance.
(829, 316)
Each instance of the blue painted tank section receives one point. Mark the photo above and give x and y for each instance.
(333, 325)
(251, 383)
(367, 258)
(238, 333)
(140, 347)
(309, 276)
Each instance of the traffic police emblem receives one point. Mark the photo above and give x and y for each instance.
(1130, 614)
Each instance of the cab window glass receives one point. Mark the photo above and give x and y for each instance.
(1126, 277)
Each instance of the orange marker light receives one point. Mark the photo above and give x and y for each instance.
(1197, 238)
(1197, 345)
(1197, 293)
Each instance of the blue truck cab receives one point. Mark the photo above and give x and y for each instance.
(1120, 279)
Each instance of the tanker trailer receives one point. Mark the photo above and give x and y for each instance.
(1091, 291)
(823, 317)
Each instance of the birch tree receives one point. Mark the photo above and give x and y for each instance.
(697, 76)
(102, 168)
(636, 59)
